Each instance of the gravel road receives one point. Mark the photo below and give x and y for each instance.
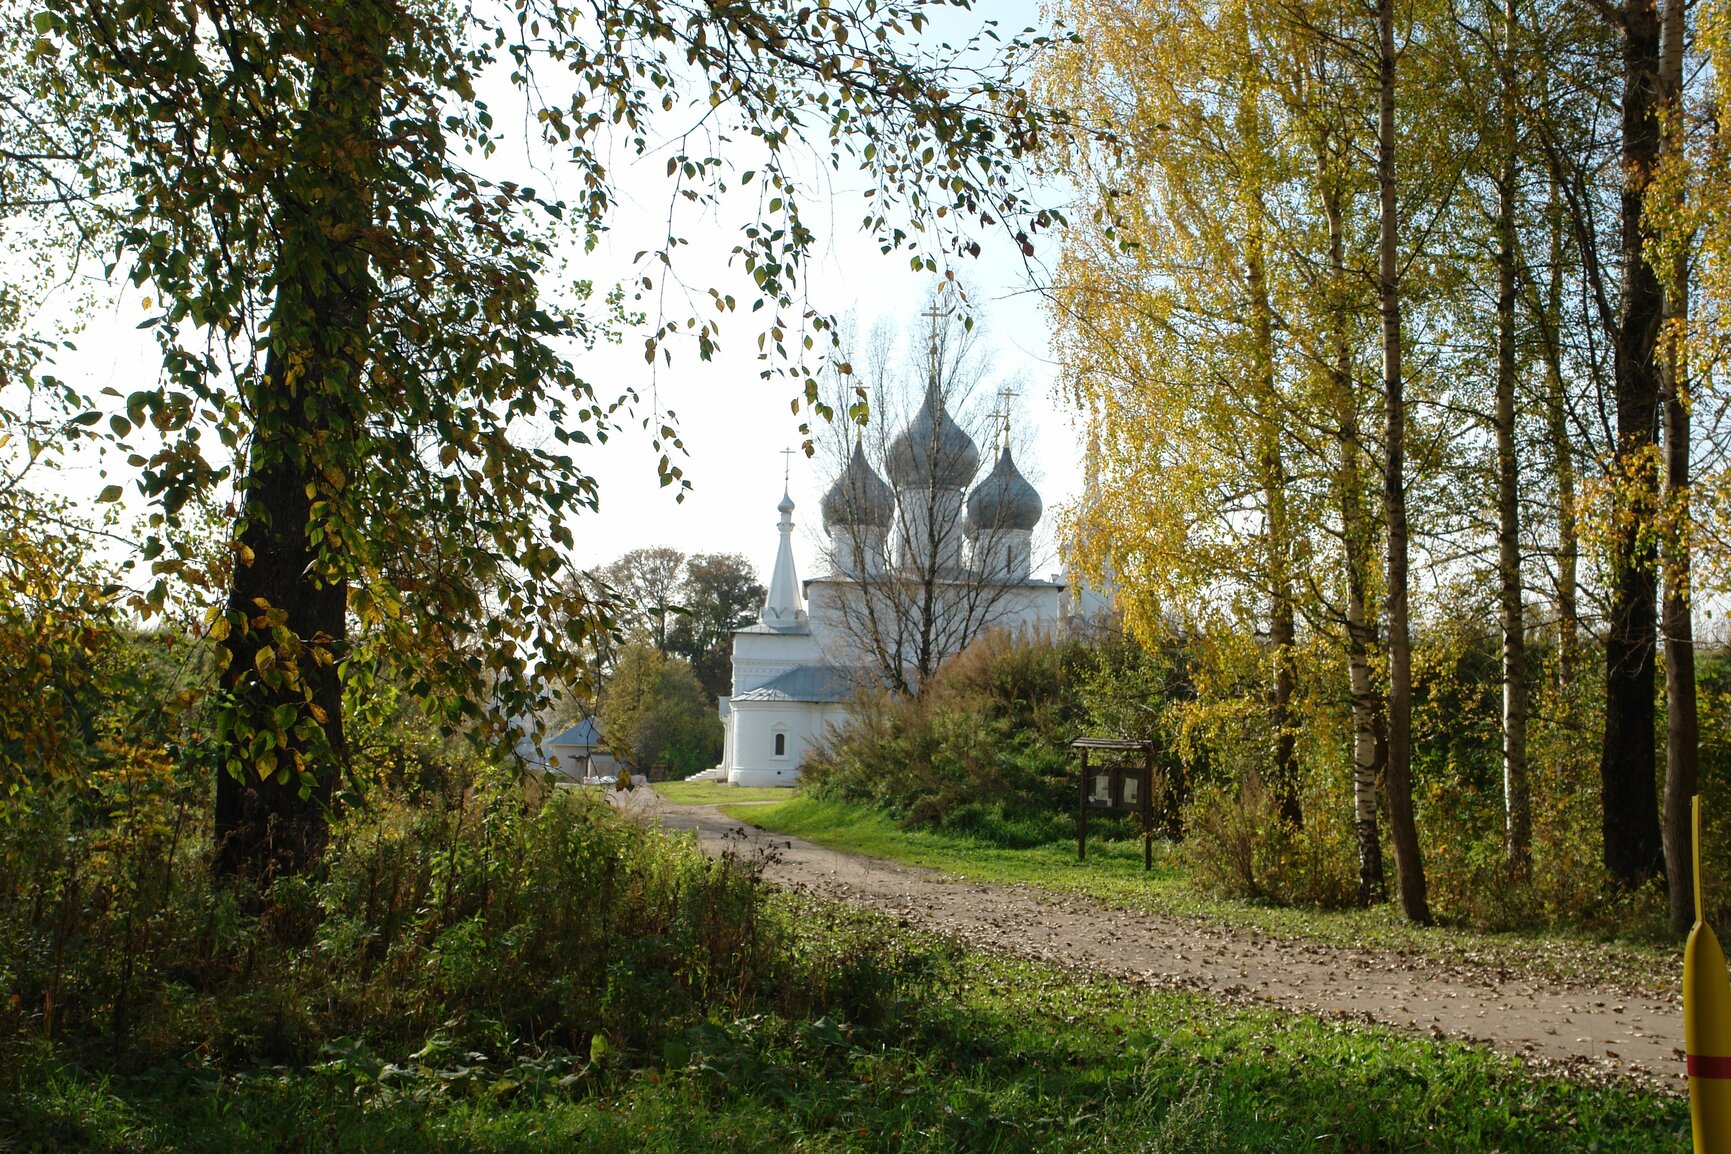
(1589, 1033)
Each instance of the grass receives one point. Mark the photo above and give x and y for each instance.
(716, 793)
(1113, 873)
(976, 1054)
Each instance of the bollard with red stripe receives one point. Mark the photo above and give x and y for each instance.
(1707, 1026)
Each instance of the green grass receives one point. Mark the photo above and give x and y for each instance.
(717, 793)
(976, 1054)
(1113, 873)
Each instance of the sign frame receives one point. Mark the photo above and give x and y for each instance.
(1118, 779)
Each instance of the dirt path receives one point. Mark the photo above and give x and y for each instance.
(1590, 1033)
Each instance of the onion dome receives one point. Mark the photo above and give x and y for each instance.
(1004, 499)
(859, 496)
(933, 452)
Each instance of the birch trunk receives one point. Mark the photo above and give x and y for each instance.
(1517, 807)
(1568, 555)
(1282, 629)
(1356, 546)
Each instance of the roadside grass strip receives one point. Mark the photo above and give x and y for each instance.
(965, 1053)
(1113, 874)
(716, 792)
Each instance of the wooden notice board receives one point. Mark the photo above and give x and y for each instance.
(1118, 778)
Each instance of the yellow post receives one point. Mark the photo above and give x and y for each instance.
(1707, 1025)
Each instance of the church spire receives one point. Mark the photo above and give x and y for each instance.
(784, 607)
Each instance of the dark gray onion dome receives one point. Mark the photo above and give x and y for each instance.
(1004, 499)
(933, 452)
(859, 496)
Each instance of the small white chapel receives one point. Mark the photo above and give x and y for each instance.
(815, 642)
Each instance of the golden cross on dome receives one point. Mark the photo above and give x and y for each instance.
(786, 467)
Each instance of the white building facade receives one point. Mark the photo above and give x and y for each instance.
(963, 542)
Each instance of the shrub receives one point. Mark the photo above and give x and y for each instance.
(489, 926)
(1239, 847)
(983, 751)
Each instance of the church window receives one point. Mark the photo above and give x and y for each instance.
(781, 745)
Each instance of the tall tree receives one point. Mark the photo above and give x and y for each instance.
(1409, 861)
(1270, 463)
(287, 616)
(1357, 530)
(1517, 793)
(647, 587)
(1682, 725)
(1173, 325)
(720, 592)
(1627, 768)
(362, 316)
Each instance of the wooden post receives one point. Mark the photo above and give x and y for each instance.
(1147, 808)
(1082, 814)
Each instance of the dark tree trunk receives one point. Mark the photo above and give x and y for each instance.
(1681, 722)
(1409, 861)
(1627, 767)
(287, 604)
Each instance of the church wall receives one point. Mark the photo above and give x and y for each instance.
(838, 620)
(754, 729)
(917, 536)
(760, 657)
(1004, 554)
(856, 550)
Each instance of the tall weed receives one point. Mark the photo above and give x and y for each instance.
(489, 925)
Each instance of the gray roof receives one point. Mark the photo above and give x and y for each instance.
(816, 683)
(859, 496)
(1004, 500)
(933, 452)
(760, 627)
(583, 733)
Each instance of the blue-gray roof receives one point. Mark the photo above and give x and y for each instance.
(1004, 500)
(583, 733)
(816, 683)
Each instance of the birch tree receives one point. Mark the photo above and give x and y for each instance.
(1168, 318)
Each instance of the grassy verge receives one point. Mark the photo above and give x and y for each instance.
(1113, 873)
(973, 1054)
(716, 793)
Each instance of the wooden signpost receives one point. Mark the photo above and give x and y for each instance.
(1117, 788)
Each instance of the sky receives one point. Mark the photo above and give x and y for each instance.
(734, 424)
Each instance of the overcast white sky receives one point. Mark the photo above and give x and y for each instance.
(734, 424)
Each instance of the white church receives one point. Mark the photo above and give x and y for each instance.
(956, 546)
